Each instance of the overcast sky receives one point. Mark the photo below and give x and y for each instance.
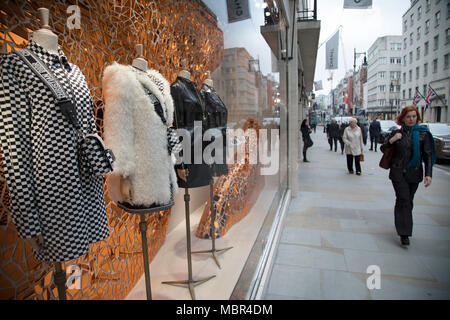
(360, 28)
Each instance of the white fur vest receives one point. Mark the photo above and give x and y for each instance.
(137, 135)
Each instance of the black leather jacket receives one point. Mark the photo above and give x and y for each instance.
(216, 117)
(402, 154)
(190, 107)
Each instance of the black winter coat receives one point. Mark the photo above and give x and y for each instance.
(333, 130)
(216, 117)
(375, 128)
(189, 107)
(402, 154)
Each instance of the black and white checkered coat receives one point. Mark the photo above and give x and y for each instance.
(50, 196)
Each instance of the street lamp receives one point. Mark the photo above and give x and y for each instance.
(364, 65)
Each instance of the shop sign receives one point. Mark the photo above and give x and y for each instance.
(238, 10)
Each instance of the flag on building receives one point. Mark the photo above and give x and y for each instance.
(357, 4)
(318, 85)
(417, 98)
(332, 50)
(238, 10)
(430, 96)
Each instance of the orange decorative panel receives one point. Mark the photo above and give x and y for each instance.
(176, 35)
(237, 192)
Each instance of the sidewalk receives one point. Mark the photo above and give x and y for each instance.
(340, 224)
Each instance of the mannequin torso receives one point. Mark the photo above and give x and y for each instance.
(209, 82)
(140, 64)
(185, 74)
(46, 39)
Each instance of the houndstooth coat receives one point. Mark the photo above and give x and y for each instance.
(49, 195)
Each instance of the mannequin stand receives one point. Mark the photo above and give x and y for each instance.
(213, 251)
(143, 229)
(60, 281)
(190, 282)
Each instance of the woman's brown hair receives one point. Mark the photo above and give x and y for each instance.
(405, 110)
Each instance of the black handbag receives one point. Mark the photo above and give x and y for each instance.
(93, 156)
(308, 142)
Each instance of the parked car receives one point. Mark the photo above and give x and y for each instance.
(441, 134)
(386, 128)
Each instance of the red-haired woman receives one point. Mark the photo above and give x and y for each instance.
(413, 144)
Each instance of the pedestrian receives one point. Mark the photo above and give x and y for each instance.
(363, 127)
(341, 134)
(314, 125)
(353, 140)
(307, 141)
(412, 144)
(333, 131)
(374, 131)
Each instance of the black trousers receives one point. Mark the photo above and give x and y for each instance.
(331, 141)
(350, 163)
(404, 193)
(341, 142)
(372, 140)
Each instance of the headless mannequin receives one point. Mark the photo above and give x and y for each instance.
(186, 75)
(140, 63)
(49, 41)
(44, 36)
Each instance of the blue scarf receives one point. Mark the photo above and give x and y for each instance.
(416, 129)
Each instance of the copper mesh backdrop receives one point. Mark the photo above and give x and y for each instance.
(176, 34)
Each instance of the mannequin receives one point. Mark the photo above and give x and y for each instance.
(186, 75)
(49, 41)
(209, 81)
(44, 36)
(140, 62)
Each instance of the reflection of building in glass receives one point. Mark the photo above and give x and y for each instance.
(241, 85)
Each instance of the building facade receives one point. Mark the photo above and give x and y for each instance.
(383, 76)
(425, 52)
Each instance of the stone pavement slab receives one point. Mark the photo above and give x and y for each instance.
(339, 224)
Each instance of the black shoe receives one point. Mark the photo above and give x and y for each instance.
(358, 173)
(370, 149)
(404, 240)
(375, 150)
(351, 172)
(305, 160)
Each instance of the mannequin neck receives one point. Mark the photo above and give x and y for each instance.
(185, 74)
(140, 64)
(209, 83)
(46, 39)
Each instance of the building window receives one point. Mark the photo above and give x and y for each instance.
(382, 88)
(446, 62)
(418, 53)
(448, 9)
(436, 43)
(411, 38)
(426, 49)
(424, 89)
(405, 25)
(410, 57)
(411, 22)
(404, 43)
(447, 36)
(435, 65)
(417, 73)
(425, 69)
(409, 93)
(419, 13)
(404, 94)
(404, 77)
(382, 74)
(427, 26)
(404, 60)
(410, 75)
(382, 60)
(428, 4)
(437, 18)
(418, 33)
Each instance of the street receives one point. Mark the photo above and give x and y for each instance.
(338, 235)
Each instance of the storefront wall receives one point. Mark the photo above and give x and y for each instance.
(175, 35)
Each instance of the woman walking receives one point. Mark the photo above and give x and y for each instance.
(307, 141)
(411, 145)
(353, 141)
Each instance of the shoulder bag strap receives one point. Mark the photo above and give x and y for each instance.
(48, 78)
